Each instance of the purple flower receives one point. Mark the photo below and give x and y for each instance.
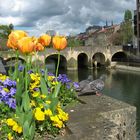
(63, 78)
(12, 91)
(36, 89)
(50, 74)
(9, 83)
(20, 68)
(68, 86)
(14, 83)
(11, 103)
(76, 84)
(3, 93)
(30, 71)
(42, 71)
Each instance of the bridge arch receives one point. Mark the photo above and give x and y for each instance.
(119, 56)
(51, 62)
(2, 61)
(10, 62)
(82, 59)
(98, 59)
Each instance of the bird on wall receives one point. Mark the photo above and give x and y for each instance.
(92, 87)
(83, 83)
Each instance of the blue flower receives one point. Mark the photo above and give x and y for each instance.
(63, 78)
(12, 91)
(50, 74)
(42, 71)
(30, 71)
(36, 89)
(11, 103)
(9, 83)
(20, 68)
(76, 84)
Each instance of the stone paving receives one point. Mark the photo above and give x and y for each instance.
(101, 118)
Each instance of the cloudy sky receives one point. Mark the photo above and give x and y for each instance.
(64, 16)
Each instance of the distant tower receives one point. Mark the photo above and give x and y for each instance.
(112, 23)
(106, 24)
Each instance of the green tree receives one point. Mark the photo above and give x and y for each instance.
(73, 42)
(126, 28)
(127, 15)
(5, 30)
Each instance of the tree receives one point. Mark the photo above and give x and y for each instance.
(127, 15)
(73, 42)
(5, 30)
(126, 28)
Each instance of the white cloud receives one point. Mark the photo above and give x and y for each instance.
(64, 16)
(10, 19)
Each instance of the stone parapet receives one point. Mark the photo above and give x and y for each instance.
(101, 118)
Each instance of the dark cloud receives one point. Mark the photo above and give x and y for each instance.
(65, 16)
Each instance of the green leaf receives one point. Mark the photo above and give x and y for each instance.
(26, 101)
(56, 90)
(46, 74)
(32, 130)
(20, 86)
(26, 130)
(54, 103)
(43, 85)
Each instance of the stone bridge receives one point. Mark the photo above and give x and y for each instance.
(73, 58)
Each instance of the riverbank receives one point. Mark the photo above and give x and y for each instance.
(129, 68)
(126, 66)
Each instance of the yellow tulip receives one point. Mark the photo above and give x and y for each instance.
(59, 42)
(26, 45)
(14, 37)
(44, 40)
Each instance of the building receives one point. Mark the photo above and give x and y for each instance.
(137, 24)
(102, 36)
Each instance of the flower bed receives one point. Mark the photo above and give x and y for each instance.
(32, 101)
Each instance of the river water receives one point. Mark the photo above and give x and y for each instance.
(122, 85)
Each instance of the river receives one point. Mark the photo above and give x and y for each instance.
(121, 85)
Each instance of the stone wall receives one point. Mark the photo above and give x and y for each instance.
(101, 118)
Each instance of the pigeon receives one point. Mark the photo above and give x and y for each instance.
(83, 83)
(93, 87)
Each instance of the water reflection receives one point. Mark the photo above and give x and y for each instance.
(122, 85)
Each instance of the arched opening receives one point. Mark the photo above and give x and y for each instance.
(98, 60)
(82, 60)
(11, 62)
(119, 57)
(51, 63)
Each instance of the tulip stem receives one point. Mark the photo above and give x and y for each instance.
(26, 70)
(58, 62)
